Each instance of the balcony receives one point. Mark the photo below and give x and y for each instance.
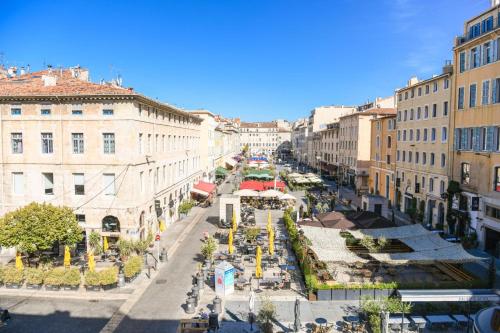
(479, 30)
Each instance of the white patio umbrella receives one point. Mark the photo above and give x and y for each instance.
(246, 193)
(251, 302)
(271, 194)
(288, 197)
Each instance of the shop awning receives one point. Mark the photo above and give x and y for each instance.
(271, 194)
(252, 185)
(231, 162)
(271, 184)
(203, 188)
(220, 171)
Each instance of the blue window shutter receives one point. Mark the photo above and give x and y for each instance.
(476, 139)
(464, 139)
(456, 141)
(494, 53)
(494, 91)
(489, 138)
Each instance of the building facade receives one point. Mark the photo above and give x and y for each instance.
(329, 150)
(423, 122)
(207, 148)
(475, 153)
(120, 160)
(265, 137)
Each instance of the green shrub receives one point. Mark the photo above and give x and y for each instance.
(72, 277)
(13, 275)
(92, 278)
(375, 323)
(34, 275)
(55, 277)
(108, 276)
(132, 266)
(186, 206)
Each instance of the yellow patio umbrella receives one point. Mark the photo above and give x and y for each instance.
(163, 227)
(269, 222)
(91, 262)
(271, 242)
(67, 257)
(230, 242)
(234, 222)
(105, 244)
(258, 266)
(19, 262)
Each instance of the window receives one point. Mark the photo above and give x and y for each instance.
(419, 113)
(404, 135)
(109, 183)
(140, 143)
(79, 182)
(411, 114)
(443, 160)
(410, 156)
(47, 143)
(496, 139)
(433, 134)
(389, 141)
(109, 143)
(406, 95)
(465, 174)
(461, 98)
(425, 134)
(417, 135)
(397, 155)
(435, 87)
(77, 139)
(431, 184)
(446, 84)
(434, 110)
(426, 112)
(15, 110)
(427, 89)
(495, 91)
(445, 109)
(486, 92)
(417, 157)
(399, 115)
(405, 115)
(487, 53)
(48, 183)
(16, 143)
(399, 135)
(17, 183)
(493, 212)
(474, 57)
(444, 134)
(404, 155)
(462, 62)
(483, 141)
(80, 218)
(77, 109)
(411, 135)
(107, 112)
(472, 95)
(469, 136)
(412, 94)
(419, 91)
(432, 159)
(497, 180)
(400, 97)
(424, 158)
(388, 159)
(45, 109)
(423, 182)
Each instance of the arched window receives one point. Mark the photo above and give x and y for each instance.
(110, 224)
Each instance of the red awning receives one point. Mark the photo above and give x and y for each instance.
(204, 188)
(252, 185)
(270, 184)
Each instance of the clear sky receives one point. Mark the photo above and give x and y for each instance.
(254, 59)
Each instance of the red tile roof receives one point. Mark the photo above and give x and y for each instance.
(32, 84)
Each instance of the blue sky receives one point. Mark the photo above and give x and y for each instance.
(258, 59)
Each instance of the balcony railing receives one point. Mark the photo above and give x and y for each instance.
(481, 30)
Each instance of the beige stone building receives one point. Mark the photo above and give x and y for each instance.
(475, 154)
(355, 141)
(265, 137)
(329, 150)
(208, 156)
(422, 153)
(108, 152)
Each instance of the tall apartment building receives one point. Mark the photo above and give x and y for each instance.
(299, 141)
(119, 159)
(476, 121)
(382, 179)
(227, 141)
(207, 147)
(318, 120)
(355, 141)
(329, 150)
(422, 151)
(265, 137)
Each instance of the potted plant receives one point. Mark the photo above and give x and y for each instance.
(92, 281)
(265, 316)
(109, 278)
(72, 279)
(132, 268)
(34, 277)
(209, 247)
(54, 279)
(13, 277)
(125, 247)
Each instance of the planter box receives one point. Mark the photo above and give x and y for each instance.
(13, 285)
(33, 286)
(52, 288)
(352, 294)
(367, 292)
(71, 287)
(109, 286)
(131, 279)
(324, 295)
(93, 288)
(338, 294)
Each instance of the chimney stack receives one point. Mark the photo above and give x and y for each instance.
(23, 71)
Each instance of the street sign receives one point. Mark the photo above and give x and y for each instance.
(157, 238)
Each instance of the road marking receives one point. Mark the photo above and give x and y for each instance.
(125, 308)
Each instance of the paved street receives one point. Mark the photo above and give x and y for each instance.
(57, 315)
(160, 307)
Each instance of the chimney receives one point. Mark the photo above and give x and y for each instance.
(23, 71)
(412, 81)
(49, 80)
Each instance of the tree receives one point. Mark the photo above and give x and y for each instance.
(209, 247)
(36, 227)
